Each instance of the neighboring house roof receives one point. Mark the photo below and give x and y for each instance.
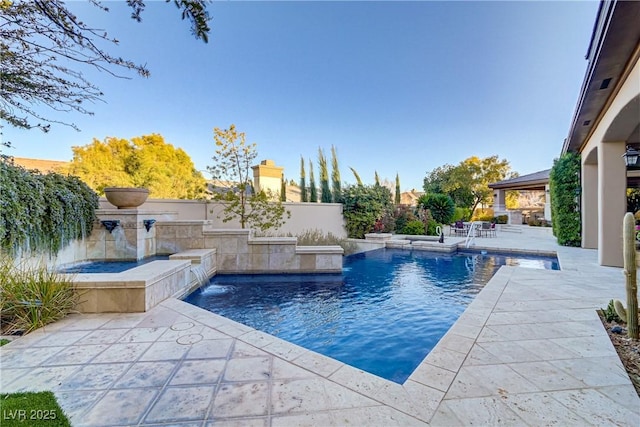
(410, 197)
(532, 181)
(615, 36)
(44, 166)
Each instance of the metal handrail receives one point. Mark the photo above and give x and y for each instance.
(471, 235)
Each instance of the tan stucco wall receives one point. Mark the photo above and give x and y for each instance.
(611, 179)
(304, 216)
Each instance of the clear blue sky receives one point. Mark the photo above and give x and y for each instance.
(397, 87)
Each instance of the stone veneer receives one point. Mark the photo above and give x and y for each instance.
(238, 252)
(129, 240)
(190, 245)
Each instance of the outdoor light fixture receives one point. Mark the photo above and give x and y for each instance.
(631, 156)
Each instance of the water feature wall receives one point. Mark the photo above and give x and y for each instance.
(237, 251)
(130, 239)
(197, 252)
(203, 265)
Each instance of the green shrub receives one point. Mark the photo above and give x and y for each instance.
(315, 237)
(43, 213)
(432, 227)
(461, 214)
(441, 206)
(414, 228)
(319, 238)
(403, 214)
(363, 206)
(501, 219)
(610, 314)
(534, 222)
(32, 297)
(564, 183)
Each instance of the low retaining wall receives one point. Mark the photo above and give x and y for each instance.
(141, 288)
(238, 252)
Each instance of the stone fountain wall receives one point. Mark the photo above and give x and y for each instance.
(193, 246)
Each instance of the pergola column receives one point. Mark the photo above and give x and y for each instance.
(612, 201)
(499, 201)
(547, 203)
(589, 206)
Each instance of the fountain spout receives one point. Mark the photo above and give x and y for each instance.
(110, 224)
(148, 223)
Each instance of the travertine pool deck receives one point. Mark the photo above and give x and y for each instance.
(530, 350)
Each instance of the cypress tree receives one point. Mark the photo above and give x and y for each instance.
(335, 176)
(283, 189)
(355, 174)
(397, 189)
(312, 183)
(325, 195)
(377, 178)
(303, 184)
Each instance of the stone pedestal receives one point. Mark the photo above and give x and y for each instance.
(132, 238)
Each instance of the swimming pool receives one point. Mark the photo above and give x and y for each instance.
(109, 266)
(383, 314)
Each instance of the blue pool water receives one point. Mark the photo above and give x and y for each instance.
(383, 314)
(109, 266)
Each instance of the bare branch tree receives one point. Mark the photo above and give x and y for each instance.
(38, 41)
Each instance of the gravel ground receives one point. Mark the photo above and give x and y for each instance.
(628, 349)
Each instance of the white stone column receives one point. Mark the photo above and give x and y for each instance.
(547, 203)
(499, 204)
(589, 206)
(612, 202)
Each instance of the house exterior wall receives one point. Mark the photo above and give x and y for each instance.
(611, 177)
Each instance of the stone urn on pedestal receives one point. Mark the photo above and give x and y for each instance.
(126, 197)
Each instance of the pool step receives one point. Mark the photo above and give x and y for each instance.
(510, 228)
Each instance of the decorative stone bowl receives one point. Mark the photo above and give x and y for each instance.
(126, 197)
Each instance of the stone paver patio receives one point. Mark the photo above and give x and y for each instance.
(530, 350)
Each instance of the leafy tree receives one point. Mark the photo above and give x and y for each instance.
(363, 206)
(468, 182)
(441, 206)
(335, 176)
(325, 189)
(443, 180)
(313, 197)
(40, 37)
(398, 194)
(232, 170)
(146, 161)
(303, 184)
(564, 188)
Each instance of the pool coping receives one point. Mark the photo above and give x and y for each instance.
(429, 381)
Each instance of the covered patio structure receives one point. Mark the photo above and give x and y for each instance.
(537, 181)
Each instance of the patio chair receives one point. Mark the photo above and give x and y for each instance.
(485, 229)
(459, 228)
(491, 232)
